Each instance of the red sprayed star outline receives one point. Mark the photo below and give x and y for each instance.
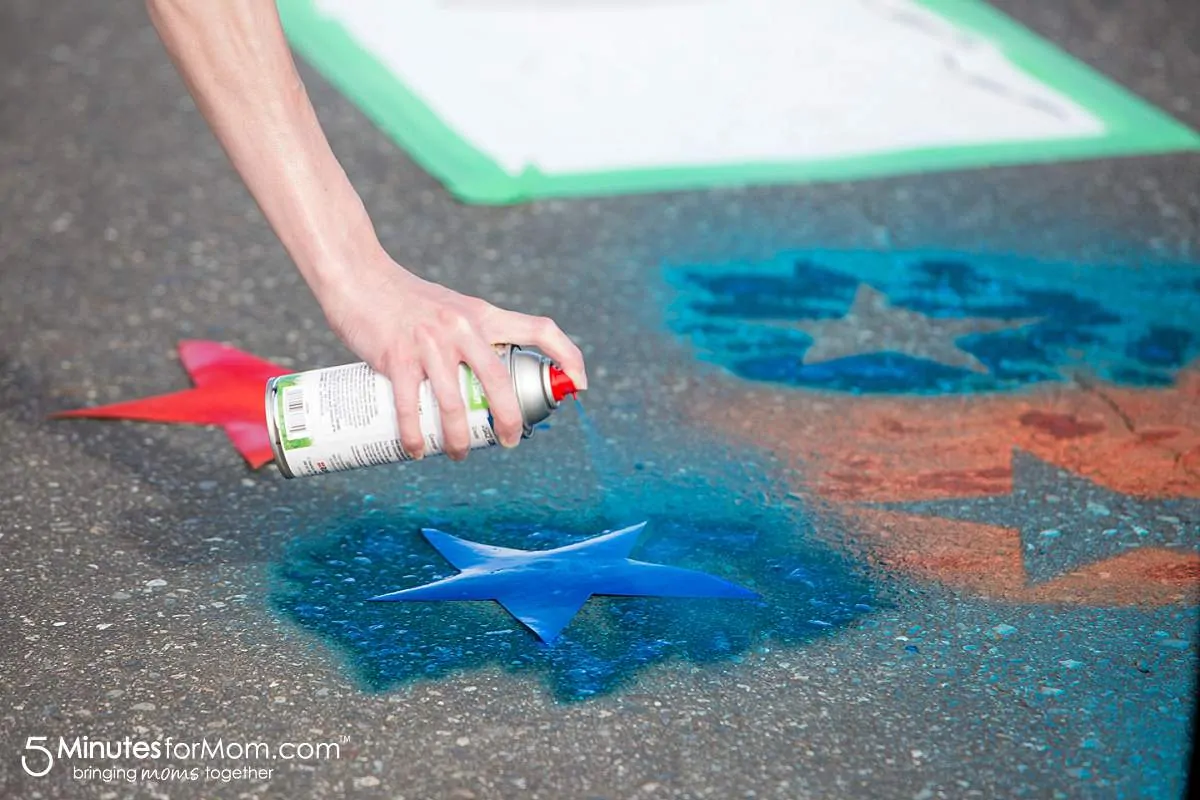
(229, 391)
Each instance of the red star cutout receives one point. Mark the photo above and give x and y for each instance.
(229, 392)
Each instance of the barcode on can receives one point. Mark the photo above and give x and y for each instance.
(295, 419)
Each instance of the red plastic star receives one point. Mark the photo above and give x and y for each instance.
(229, 392)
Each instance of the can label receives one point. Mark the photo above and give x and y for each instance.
(343, 418)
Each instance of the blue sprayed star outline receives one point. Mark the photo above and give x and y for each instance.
(1128, 326)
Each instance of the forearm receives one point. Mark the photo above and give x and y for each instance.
(236, 62)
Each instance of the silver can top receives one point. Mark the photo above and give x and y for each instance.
(531, 381)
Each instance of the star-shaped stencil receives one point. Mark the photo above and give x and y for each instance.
(873, 325)
(1066, 521)
(229, 392)
(545, 589)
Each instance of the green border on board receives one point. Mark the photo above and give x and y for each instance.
(1133, 125)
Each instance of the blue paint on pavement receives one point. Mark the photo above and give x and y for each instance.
(806, 590)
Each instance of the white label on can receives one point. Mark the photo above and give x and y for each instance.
(343, 418)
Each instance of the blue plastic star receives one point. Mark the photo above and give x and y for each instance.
(545, 589)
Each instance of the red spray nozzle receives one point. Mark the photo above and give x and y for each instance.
(560, 384)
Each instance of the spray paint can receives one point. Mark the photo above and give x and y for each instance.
(343, 418)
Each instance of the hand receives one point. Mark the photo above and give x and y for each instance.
(409, 329)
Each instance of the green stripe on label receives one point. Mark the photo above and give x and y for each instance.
(475, 399)
(281, 419)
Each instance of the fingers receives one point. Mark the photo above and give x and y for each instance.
(442, 367)
(406, 378)
(544, 334)
(498, 388)
(465, 332)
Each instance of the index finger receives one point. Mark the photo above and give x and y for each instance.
(544, 333)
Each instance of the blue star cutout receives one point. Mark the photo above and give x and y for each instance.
(545, 589)
(322, 584)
